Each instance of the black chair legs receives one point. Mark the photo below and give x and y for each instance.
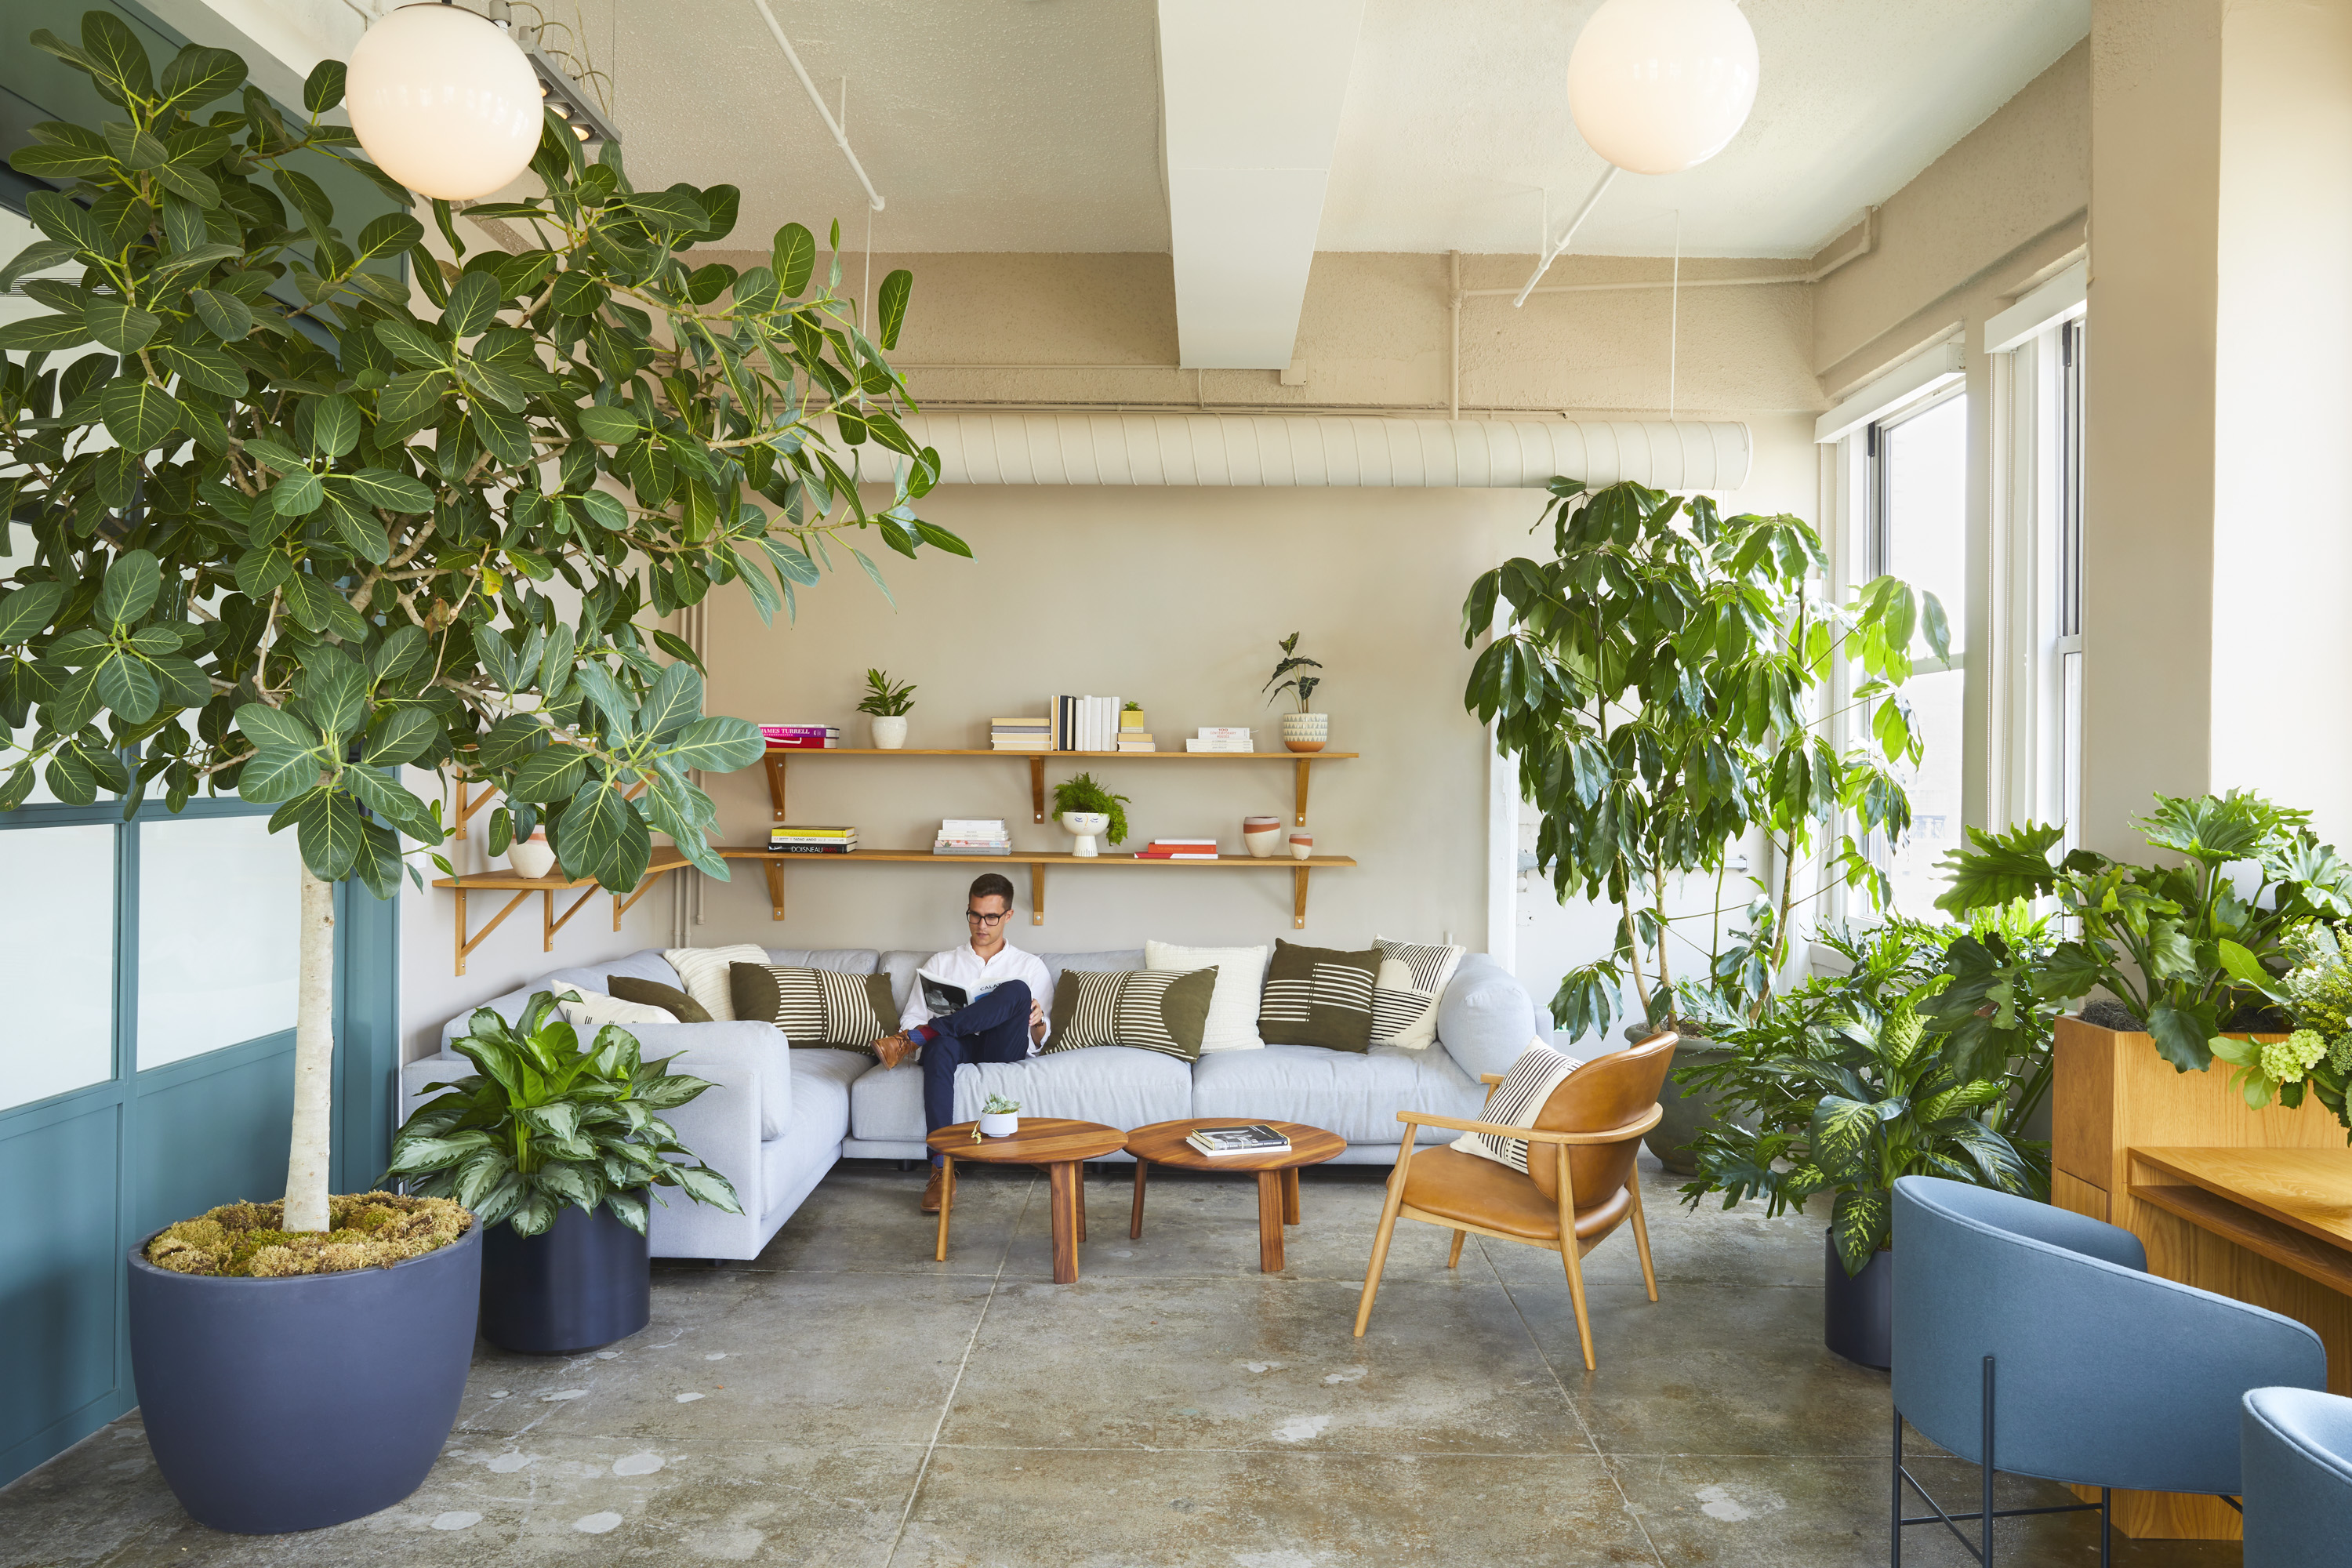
(1982, 1548)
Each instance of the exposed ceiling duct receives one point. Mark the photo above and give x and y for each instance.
(1308, 450)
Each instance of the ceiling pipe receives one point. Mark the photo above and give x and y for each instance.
(840, 137)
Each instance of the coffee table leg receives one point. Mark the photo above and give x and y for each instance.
(1135, 1225)
(1290, 1196)
(1059, 1178)
(947, 1204)
(1269, 1222)
(1078, 1196)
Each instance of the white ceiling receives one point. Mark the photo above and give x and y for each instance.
(1036, 125)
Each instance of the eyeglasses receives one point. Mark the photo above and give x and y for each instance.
(976, 917)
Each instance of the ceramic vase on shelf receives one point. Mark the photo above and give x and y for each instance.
(889, 731)
(1083, 826)
(999, 1124)
(1302, 846)
(1260, 834)
(1306, 732)
(531, 856)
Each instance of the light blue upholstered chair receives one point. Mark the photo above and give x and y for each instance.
(2034, 1341)
(2296, 1450)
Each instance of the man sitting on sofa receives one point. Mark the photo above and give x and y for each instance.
(1004, 1020)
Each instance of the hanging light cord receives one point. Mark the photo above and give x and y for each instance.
(1674, 314)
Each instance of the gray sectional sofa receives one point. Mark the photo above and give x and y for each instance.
(777, 1118)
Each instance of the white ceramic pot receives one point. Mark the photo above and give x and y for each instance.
(889, 732)
(1261, 834)
(1306, 732)
(1302, 846)
(531, 856)
(999, 1124)
(1083, 826)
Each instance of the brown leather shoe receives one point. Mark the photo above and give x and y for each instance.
(935, 1189)
(892, 1050)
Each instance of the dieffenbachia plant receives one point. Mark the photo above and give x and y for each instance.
(280, 521)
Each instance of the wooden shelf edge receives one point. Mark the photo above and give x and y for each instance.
(2282, 1243)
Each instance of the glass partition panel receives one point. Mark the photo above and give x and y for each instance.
(57, 927)
(219, 901)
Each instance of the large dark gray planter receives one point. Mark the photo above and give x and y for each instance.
(282, 1404)
(1682, 1111)
(585, 1281)
(1858, 1312)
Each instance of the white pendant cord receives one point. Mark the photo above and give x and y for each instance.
(840, 137)
(1674, 314)
(1543, 262)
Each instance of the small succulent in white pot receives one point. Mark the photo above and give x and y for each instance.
(999, 1117)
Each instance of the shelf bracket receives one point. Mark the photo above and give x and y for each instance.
(775, 870)
(1302, 771)
(551, 922)
(1299, 887)
(466, 946)
(621, 905)
(1036, 892)
(1037, 786)
(776, 787)
(466, 808)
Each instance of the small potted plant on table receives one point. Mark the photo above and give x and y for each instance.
(1086, 809)
(1303, 731)
(999, 1118)
(554, 1147)
(888, 702)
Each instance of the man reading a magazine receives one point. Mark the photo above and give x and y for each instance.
(994, 999)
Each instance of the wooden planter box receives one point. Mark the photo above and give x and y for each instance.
(2112, 1093)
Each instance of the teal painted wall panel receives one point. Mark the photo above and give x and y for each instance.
(60, 1298)
(212, 1130)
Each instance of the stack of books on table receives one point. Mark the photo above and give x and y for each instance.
(972, 835)
(811, 840)
(1085, 724)
(1255, 1139)
(1137, 740)
(801, 736)
(1027, 734)
(1179, 849)
(1215, 739)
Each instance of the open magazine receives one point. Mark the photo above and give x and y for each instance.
(941, 997)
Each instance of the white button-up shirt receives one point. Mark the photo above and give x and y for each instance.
(978, 976)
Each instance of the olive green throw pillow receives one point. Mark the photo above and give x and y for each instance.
(654, 994)
(818, 1008)
(1151, 1009)
(1318, 997)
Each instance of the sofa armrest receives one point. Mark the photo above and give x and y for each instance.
(1486, 1018)
(747, 1067)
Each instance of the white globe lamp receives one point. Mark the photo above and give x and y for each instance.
(1660, 86)
(444, 102)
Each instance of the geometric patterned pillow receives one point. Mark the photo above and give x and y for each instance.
(703, 971)
(1412, 977)
(1162, 1010)
(817, 1008)
(1318, 997)
(1518, 1100)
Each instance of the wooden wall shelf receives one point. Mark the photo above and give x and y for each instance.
(665, 860)
(1037, 860)
(1305, 761)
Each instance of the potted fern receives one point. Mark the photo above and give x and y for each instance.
(888, 702)
(1086, 810)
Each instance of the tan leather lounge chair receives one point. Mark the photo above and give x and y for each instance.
(1581, 1179)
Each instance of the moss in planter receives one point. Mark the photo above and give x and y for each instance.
(371, 1230)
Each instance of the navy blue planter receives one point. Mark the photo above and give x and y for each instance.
(585, 1281)
(283, 1405)
(1858, 1313)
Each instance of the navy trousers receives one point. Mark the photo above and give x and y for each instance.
(993, 1029)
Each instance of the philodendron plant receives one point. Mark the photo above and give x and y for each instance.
(290, 520)
(547, 1121)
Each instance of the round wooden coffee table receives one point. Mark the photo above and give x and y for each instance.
(1162, 1143)
(1046, 1140)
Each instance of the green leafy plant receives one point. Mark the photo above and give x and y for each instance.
(1130, 706)
(291, 519)
(1663, 682)
(884, 699)
(1083, 794)
(1845, 1084)
(547, 1121)
(2187, 949)
(2315, 996)
(1287, 672)
(999, 1106)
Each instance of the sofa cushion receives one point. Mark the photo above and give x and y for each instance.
(846, 960)
(1318, 997)
(1241, 976)
(1484, 1019)
(1115, 1085)
(682, 1008)
(1413, 975)
(1356, 1096)
(1152, 1010)
(703, 970)
(814, 1008)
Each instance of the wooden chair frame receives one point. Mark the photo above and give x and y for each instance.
(1571, 1256)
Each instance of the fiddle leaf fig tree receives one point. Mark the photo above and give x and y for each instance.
(281, 520)
(1665, 683)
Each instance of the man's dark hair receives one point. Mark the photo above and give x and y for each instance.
(992, 884)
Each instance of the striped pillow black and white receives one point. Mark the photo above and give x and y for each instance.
(1516, 1101)
(705, 973)
(1318, 997)
(1412, 978)
(817, 1008)
(1151, 1009)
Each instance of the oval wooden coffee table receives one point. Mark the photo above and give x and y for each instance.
(1046, 1140)
(1162, 1143)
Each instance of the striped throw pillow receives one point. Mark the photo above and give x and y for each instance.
(703, 971)
(1406, 993)
(1516, 1101)
(817, 1008)
(1318, 997)
(1159, 1010)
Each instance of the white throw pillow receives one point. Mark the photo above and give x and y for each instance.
(1233, 1006)
(703, 970)
(589, 1011)
(1411, 981)
(1516, 1101)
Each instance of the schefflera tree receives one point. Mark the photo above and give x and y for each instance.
(288, 526)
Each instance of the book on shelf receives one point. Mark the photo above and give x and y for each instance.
(1136, 746)
(1256, 1138)
(953, 849)
(806, 744)
(991, 824)
(1221, 733)
(804, 846)
(1084, 723)
(1179, 849)
(791, 830)
(1214, 746)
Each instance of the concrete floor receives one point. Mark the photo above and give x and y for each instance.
(845, 1400)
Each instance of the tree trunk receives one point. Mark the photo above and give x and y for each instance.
(314, 1060)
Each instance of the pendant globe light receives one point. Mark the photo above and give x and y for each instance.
(444, 102)
(1660, 86)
